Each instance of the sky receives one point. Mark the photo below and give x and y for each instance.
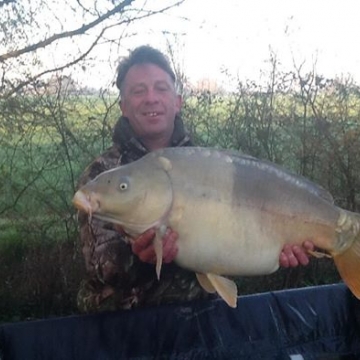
(244, 31)
(239, 35)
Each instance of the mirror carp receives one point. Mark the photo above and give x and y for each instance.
(233, 213)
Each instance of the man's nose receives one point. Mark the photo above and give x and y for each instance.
(152, 96)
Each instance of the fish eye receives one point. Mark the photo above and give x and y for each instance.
(123, 186)
(123, 183)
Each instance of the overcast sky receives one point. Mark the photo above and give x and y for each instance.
(237, 35)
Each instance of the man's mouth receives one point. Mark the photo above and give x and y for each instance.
(152, 114)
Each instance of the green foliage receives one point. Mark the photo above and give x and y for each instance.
(46, 141)
(38, 279)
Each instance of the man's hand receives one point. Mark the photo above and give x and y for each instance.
(143, 246)
(294, 255)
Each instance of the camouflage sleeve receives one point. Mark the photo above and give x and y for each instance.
(107, 255)
(111, 266)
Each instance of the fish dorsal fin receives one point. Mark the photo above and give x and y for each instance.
(226, 288)
(280, 171)
(205, 283)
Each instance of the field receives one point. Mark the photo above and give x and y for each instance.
(312, 128)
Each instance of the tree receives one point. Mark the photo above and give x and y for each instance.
(46, 36)
(51, 126)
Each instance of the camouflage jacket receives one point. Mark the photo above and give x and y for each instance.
(117, 278)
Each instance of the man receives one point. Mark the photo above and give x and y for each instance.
(123, 276)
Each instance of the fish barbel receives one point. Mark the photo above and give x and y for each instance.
(233, 213)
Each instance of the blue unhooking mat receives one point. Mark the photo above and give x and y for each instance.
(310, 323)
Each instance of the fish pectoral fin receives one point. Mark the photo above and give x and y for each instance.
(158, 247)
(205, 283)
(226, 288)
(318, 254)
(348, 265)
(165, 163)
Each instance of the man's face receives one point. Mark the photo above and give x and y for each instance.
(149, 101)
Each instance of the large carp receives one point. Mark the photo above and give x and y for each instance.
(233, 213)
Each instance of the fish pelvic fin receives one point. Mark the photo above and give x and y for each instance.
(348, 265)
(226, 288)
(205, 283)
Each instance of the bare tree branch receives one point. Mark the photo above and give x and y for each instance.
(65, 34)
(84, 55)
(5, 2)
(33, 78)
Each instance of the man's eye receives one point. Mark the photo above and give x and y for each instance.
(162, 88)
(138, 91)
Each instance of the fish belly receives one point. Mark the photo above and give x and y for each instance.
(225, 241)
(240, 241)
(234, 215)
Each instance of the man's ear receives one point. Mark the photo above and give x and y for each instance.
(122, 107)
(179, 102)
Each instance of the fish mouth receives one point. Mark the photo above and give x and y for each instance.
(84, 202)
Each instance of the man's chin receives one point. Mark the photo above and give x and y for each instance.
(154, 120)
(157, 126)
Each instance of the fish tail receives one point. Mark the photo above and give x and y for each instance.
(348, 262)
